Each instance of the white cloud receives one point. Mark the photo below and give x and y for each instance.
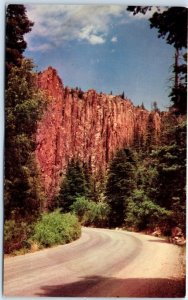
(89, 34)
(94, 39)
(114, 39)
(57, 24)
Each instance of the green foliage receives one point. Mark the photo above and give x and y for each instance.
(172, 25)
(24, 105)
(178, 93)
(162, 172)
(98, 213)
(90, 212)
(170, 163)
(120, 183)
(81, 208)
(142, 211)
(56, 228)
(75, 184)
(17, 24)
(16, 234)
(149, 189)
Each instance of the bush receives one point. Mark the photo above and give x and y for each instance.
(56, 228)
(81, 208)
(99, 213)
(141, 212)
(16, 234)
(90, 212)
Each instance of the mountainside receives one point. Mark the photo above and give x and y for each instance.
(85, 125)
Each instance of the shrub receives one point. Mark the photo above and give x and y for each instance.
(81, 208)
(90, 212)
(16, 234)
(99, 213)
(56, 228)
(141, 212)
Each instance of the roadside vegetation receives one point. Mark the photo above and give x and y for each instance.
(55, 228)
(25, 222)
(49, 230)
(144, 186)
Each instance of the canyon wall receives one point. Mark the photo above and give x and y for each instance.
(88, 126)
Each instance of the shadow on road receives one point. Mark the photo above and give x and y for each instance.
(132, 287)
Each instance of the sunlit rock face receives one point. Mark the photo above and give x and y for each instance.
(88, 126)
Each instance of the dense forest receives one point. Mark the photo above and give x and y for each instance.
(144, 185)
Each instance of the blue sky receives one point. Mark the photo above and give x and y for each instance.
(102, 47)
(140, 83)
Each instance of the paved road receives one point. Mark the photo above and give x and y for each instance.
(102, 263)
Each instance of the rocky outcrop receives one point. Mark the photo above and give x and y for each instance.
(88, 126)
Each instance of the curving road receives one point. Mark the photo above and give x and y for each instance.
(102, 263)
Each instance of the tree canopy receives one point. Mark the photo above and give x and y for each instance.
(17, 24)
(76, 183)
(24, 105)
(120, 182)
(171, 23)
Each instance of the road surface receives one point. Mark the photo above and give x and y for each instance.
(102, 263)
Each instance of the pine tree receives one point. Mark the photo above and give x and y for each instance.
(154, 106)
(178, 93)
(24, 105)
(17, 24)
(170, 164)
(74, 185)
(120, 183)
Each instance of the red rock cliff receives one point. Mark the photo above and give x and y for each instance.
(91, 128)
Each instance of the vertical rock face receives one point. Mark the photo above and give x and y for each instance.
(88, 126)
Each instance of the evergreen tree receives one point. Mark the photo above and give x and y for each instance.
(23, 108)
(120, 183)
(172, 25)
(142, 212)
(17, 24)
(74, 185)
(164, 169)
(88, 178)
(178, 93)
(171, 174)
(154, 106)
